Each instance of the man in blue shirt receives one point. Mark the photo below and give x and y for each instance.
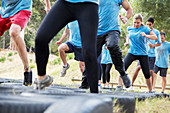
(73, 45)
(151, 51)
(14, 15)
(162, 60)
(109, 32)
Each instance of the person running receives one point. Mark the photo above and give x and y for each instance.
(73, 45)
(106, 63)
(63, 12)
(151, 51)
(162, 60)
(137, 38)
(14, 16)
(109, 32)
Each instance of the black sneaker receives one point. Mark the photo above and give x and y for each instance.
(126, 80)
(28, 78)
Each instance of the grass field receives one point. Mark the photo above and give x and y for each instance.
(11, 67)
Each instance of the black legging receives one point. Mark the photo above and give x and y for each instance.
(106, 72)
(144, 63)
(60, 14)
(111, 39)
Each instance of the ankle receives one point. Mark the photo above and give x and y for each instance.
(27, 69)
(41, 77)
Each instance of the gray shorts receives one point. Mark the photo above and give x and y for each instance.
(163, 71)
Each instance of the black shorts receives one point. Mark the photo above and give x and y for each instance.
(77, 51)
(151, 63)
(163, 71)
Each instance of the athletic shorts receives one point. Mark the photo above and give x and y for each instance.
(151, 63)
(163, 71)
(21, 18)
(76, 50)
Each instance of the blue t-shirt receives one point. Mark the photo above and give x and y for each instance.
(75, 37)
(138, 43)
(151, 51)
(108, 15)
(11, 7)
(106, 58)
(77, 1)
(162, 55)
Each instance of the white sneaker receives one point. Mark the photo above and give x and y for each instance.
(153, 90)
(99, 87)
(63, 71)
(130, 88)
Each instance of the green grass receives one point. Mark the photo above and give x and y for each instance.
(2, 59)
(156, 105)
(10, 54)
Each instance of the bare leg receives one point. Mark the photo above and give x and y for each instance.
(163, 83)
(149, 84)
(135, 74)
(154, 77)
(61, 49)
(120, 82)
(81, 66)
(18, 37)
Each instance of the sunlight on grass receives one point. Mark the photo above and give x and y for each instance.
(156, 105)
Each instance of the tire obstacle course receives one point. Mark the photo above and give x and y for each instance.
(16, 98)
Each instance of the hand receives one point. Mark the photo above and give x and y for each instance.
(151, 45)
(47, 9)
(143, 34)
(126, 44)
(58, 42)
(106, 48)
(123, 19)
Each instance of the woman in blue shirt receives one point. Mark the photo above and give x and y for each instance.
(63, 12)
(137, 38)
(106, 63)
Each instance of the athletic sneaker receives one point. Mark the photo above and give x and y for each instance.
(99, 87)
(153, 90)
(130, 88)
(119, 88)
(41, 84)
(63, 71)
(126, 80)
(28, 78)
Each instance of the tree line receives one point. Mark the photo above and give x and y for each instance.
(159, 9)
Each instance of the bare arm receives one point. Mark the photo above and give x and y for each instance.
(154, 45)
(129, 11)
(151, 36)
(64, 35)
(127, 40)
(48, 6)
(128, 8)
